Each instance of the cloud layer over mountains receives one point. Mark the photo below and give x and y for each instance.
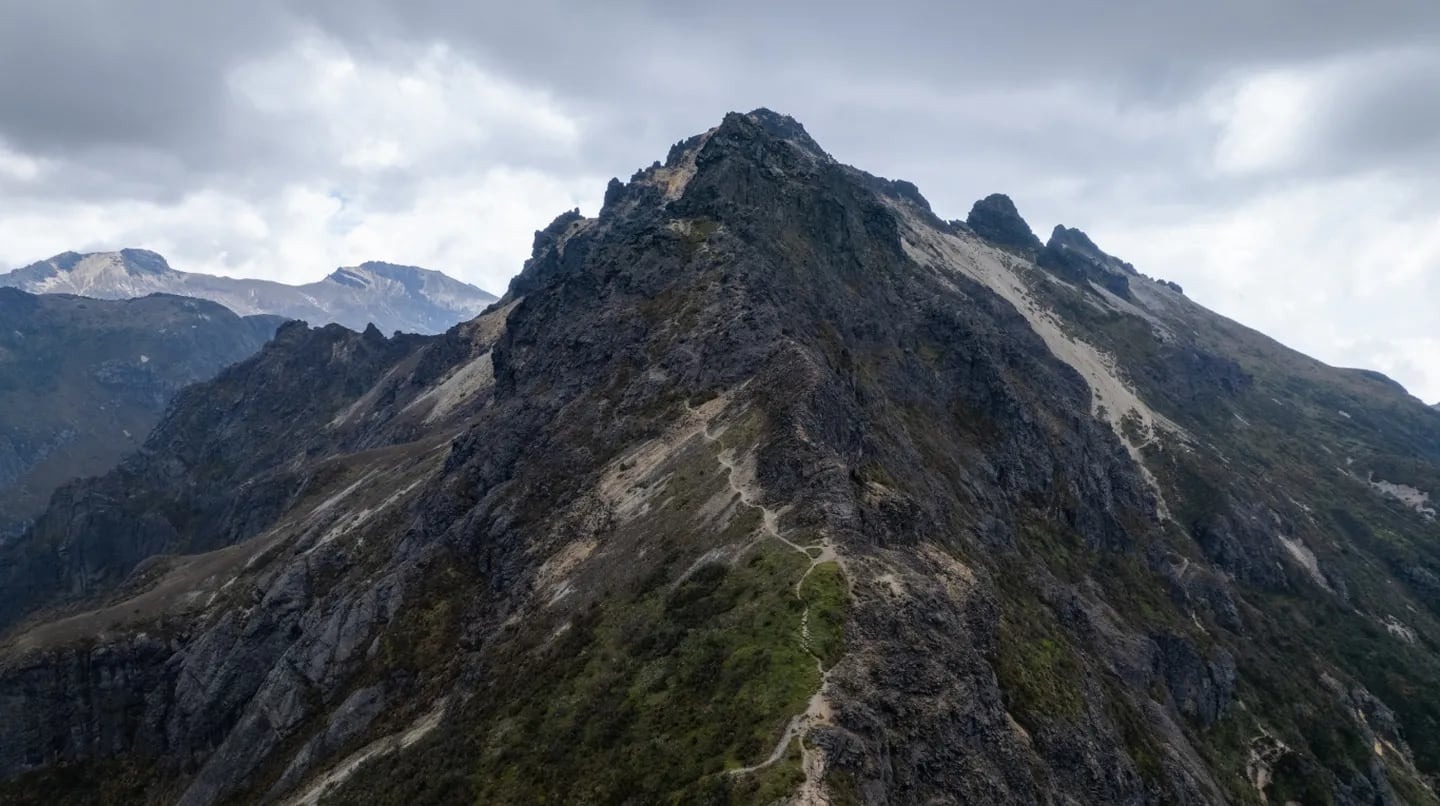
(1279, 160)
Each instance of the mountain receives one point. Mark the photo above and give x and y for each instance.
(83, 381)
(764, 485)
(404, 298)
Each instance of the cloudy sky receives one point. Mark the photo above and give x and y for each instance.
(1280, 159)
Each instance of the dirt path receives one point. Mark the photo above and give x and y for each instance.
(341, 772)
(817, 712)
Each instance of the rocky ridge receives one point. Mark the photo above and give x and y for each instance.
(763, 484)
(83, 381)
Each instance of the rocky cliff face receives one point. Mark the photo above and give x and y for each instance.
(392, 297)
(82, 382)
(765, 484)
(995, 219)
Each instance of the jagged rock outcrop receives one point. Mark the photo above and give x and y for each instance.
(995, 219)
(1073, 257)
(82, 382)
(392, 297)
(763, 484)
(1202, 689)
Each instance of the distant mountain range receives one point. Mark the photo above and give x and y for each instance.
(404, 298)
(83, 381)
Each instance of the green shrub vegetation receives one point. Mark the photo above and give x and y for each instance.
(766, 785)
(659, 694)
(1035, 667)
(826, 594)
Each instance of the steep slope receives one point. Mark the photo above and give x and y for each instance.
(82, 382)
(765, 484)
(404, 298)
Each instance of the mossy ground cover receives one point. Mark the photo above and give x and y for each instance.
(1034, 664)
(826, 594)
(660, 693)
(768, 785)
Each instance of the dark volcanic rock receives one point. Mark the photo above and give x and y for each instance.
(1073, 257)
(995, 219)
(217, 470)
(83, 381)
(1201, 688)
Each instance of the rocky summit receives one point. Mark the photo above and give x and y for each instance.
(995, 219)
(404, 298)
(763, 485)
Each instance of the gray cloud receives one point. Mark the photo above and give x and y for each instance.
(1384, 111)
(1225, 144)
(88, 74)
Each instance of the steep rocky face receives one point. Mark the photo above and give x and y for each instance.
(995, 219)
(1072, 256)
(221, 465)
(392, 297)
(764, 484)
(82, 382)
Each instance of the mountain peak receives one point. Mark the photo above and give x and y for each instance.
(143, 261)
(126, 273)
(764, 124)
(134, 262)
(1063, 237)
(393, 296)
(414, 279)
(382, 266)
(1071, 255)
(782, 126)
(774, 143)
(375, 272)
(996, 219)
(770, 438)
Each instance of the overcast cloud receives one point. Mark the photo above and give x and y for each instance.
(1280, 159)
